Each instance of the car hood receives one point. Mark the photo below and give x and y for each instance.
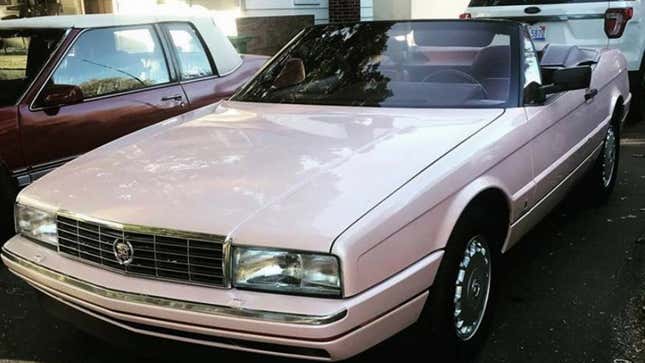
(284, 176)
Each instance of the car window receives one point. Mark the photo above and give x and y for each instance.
(477, 3)
(393, 64)
(193, 60)
(113, 60)
(22, 55)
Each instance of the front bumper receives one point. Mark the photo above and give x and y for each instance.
(291, 326)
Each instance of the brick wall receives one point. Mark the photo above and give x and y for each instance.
(344, 10)
(269, 34)
(71, 7)
(98, 6)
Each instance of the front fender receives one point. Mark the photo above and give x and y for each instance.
(419, 217)
(369, 263)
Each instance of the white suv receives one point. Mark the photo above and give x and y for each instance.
(586, 23)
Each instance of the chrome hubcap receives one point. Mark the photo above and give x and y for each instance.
(472, 288)
(609, 158)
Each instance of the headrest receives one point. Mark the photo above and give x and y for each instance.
(493, 62)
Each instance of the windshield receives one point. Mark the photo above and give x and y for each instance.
(432, 64)
(22, 55)
(476, 3)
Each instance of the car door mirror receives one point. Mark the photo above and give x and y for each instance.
(61, 95)
(569, 79)
(561, 80)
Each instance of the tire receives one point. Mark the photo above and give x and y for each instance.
(439, 323)
(601, 180)
(8, 193)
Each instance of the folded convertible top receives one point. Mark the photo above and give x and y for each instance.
(564, 56)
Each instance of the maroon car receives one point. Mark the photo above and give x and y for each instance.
(69, 84)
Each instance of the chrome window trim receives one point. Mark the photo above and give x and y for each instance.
(233, 70)
(216, 310)
(195, 80)
(111, 95)
(156, 231)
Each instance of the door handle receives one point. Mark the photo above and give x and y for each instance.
(173, 98)
(591, 94)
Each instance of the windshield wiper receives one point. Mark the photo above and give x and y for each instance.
(116, 70)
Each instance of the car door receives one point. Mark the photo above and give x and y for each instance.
(10, 153)
(24, 53)
(127, 84)
(14, 79)
(562, 127)
(196, 68)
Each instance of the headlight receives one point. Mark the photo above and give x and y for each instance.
(286, 272)
(36, 224)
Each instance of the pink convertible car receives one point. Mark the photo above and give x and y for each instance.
(365, 181)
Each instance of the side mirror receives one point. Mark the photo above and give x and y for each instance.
(562, 80)
(569, 79)
(61, 95)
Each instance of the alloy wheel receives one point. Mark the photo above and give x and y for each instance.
(609, 157)
(472, 288)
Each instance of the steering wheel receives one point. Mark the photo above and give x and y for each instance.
(446, 75)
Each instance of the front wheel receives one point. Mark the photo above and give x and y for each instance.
(472, 288)
(457, 317)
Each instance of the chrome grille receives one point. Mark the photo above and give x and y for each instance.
(156, 255)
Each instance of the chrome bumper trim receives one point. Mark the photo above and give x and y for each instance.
(217, 310)
(533, 19)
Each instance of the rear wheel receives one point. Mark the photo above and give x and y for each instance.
(457, 317)
(601, 180)
(8, 192)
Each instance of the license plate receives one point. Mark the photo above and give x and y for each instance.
(538, 32)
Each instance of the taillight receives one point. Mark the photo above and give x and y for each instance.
(466, 16)
(616, 21)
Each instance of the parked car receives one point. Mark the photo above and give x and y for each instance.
(587, 23)
(69, 84)
(368, 178)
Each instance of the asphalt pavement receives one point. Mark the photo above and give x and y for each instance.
(572, 291)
